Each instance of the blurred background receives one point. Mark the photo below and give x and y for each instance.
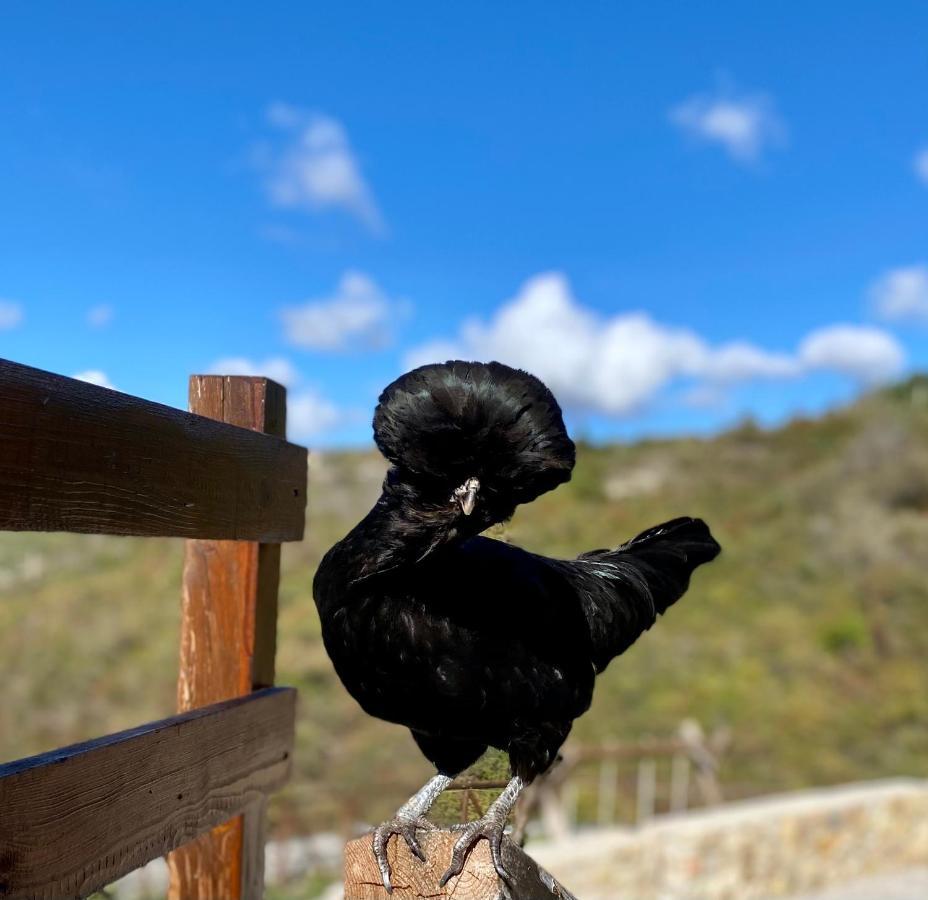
(703, 225)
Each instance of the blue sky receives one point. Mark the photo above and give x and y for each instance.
(676, 214)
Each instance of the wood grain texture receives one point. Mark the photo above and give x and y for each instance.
(76, 819)
(414, 880)
(228, 642)
(78, 457)
(228, 620)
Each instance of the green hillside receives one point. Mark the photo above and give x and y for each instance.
(808, 637)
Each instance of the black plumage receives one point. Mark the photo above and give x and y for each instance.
(471, 642)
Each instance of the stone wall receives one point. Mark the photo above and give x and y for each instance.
(761, 848)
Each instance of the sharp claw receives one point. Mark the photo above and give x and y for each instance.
(458, 855)
(384, 867)
(407, 830)
(472, 835)
(381, 839)
(413, 845)
(447, 876)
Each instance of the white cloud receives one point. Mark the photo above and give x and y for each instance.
(866, 354)
(705, 396)
(277, 368)
(317, 167)
(902, 294)
(99, 316)
(309, 414)
(283, 115)
(612, 365)
(357, 316)
(741, 361)
(95, 376)
(11, 314)
(921, 164)
(744, 124)
(617, 365)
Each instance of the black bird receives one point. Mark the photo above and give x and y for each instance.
(471, 642)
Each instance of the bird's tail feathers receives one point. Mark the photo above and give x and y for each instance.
(641, 579)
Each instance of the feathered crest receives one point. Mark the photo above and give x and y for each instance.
(446, 422)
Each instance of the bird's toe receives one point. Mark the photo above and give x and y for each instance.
(381, 838)
(408, 831)
(405, 828)
(471, 834)
(496, 851)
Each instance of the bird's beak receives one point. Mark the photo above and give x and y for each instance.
(466, 495)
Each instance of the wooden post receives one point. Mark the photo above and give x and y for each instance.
(647, 788)
(704, 760)
(413, 880)
(608, 778)
(570, 802)
(227, 646)
(679, 783)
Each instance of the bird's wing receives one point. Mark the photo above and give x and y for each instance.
(513, 593)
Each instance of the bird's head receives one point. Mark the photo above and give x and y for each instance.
(472, 440)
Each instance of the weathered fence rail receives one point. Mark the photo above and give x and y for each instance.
(77, 457)
(694, 759)
(78, 818)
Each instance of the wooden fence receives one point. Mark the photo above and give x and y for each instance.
(81, 458)
(691, 758)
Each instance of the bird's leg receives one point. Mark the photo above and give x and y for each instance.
(409, 817)
(489, 826)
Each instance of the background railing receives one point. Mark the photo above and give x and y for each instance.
(625, 784)
(81, 458)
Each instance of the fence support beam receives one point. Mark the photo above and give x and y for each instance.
(228, 641)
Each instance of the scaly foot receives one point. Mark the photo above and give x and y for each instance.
(405, 827)
(490, 827)
(409, 817)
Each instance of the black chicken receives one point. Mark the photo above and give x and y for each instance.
(471, 642)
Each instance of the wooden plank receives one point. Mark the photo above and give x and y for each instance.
(76, 819)
(623, 750)
(413, 880)
(78, 457)
(228, 641)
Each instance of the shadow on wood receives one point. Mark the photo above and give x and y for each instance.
(414, 880)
